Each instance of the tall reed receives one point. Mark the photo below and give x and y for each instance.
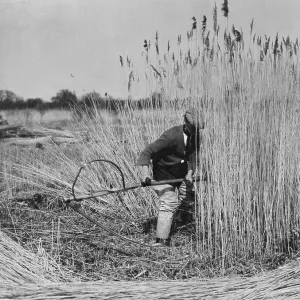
(249, 94)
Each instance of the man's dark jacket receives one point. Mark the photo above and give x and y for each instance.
(169, 155)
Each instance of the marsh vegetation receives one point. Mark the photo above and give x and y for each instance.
(246, 215)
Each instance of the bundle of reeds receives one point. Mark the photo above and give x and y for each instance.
(279, 284)
(20, 266)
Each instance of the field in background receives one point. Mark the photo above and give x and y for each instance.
(31, 117)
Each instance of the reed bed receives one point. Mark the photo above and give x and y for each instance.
(249, 93)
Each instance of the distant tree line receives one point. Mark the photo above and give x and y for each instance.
(67, 99)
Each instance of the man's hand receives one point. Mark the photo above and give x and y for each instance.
(146, 182)
(189, 177)
(145, 176)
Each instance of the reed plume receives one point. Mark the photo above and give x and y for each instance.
(276, 46)
(130, 80)
(225, 8)
(194, 25)
(266, 45)
(251, 26)
(204, 25)
(215, 19)
(121, 61)
(156, 43)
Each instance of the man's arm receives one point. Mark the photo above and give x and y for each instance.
(163, 142)
(148, 153)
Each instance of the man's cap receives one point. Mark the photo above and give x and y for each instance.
(194, 119)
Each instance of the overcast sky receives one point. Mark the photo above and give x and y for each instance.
(48, 45)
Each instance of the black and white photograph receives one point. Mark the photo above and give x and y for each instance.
(149, 149)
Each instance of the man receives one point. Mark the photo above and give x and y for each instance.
(173, 156)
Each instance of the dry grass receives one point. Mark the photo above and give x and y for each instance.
(20, 266)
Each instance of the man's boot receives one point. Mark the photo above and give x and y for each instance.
(163, 229)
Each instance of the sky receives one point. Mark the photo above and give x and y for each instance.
(49, 45)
